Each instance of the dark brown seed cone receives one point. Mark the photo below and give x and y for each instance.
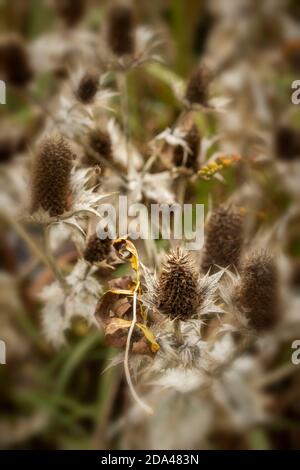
(258, 293)
(287, 143)
(51, 176)
(7, 148)
(100, 143)
(120, 33)
(15, 61)
(10, 144)
(178, 293)
(96, 249)
(71, 11)
(88, 87)
(223, 239)
(197, 90)
(193, 140)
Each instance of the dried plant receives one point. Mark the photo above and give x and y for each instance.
(224, 239)
(201, 337)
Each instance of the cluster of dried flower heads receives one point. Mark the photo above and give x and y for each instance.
(205, 327)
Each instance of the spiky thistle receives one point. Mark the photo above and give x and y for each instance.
(15, 61)
(96, 249)
(192, 139)
(100, 142)
(197, 90)
(287, 143)
(11, 142)
(71, 11)
(51, 176)
(88, 87)
(258, 292)
(178, 292)
(223, 239)
(120, 32)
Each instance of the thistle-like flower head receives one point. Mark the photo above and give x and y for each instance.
(178, 292)
(88, 87)
(258, 292)
(224, 239)
(287, 143)
(71, 11)
(197, 90)
(51, 176)
(100, 143)
(96, 249)
(120, 34)
(15, 61)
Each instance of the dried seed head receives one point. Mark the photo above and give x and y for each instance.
(120, 34)
(224, 239)
(96, 249)
(11, 142)
(197, 90)
(51, 176)
(258, 293)
(15, 61)
(7, 148)
(88, 87)
(287, 143)
(71, 11)
(178, 292)
(100, 143)
(192, 139)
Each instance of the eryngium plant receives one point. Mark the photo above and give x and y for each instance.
(178, 291)
(120, 34)
(192, 139)
(223, 240)
(100, 143)
(88, 87)
(258, 292)
(197, 90)
(287, 143)
(96, 249)
(15, 61)
(71, 11)
(51, 176)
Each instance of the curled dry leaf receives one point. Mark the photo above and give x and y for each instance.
(114, 313)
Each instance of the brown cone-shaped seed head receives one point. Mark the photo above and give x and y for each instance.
(100, 143)
(287, 143)
(120, 33)
(71, 11)
(178, 292)
(87, 87)
(96, 249)
(51, 176)
(223, 239)
(258, 292)
(15, 61)
(197, 90)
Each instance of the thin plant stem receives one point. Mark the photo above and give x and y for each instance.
(182, 183)
(278, 374)
(122, 79)
(28, 239)
(133, 392)
(60, 278)
(177, 330)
